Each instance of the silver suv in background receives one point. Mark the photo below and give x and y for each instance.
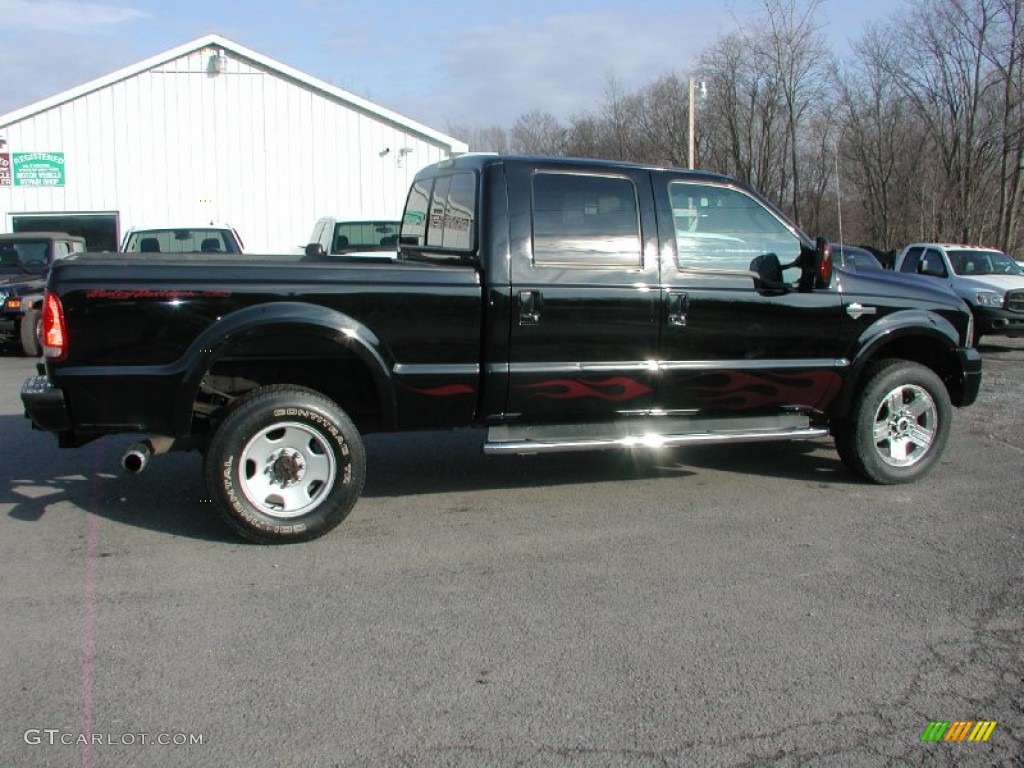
(989, 281)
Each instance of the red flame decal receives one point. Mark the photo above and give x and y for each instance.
(446, 391)
(616, 389)
(743, 390)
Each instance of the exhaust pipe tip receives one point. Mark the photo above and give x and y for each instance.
(137, 457)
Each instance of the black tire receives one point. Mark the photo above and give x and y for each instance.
(899, 424)
(31, 333)
(285, 465)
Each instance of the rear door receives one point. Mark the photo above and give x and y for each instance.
(730, 344)
(585, 295)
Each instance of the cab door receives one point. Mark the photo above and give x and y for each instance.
(584, 292)
(730, 342)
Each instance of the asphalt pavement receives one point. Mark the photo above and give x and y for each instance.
(724, 606)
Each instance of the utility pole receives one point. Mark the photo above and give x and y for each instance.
(693, 121)
(694, 85)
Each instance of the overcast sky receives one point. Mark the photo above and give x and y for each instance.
(442, 62)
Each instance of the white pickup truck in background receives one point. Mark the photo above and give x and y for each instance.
(334, 237)
(989, 281)
(205, 238)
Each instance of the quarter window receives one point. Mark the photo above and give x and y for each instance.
(720, 228)
(439, 214)
(585, 221)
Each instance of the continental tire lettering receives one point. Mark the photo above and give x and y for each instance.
(238, 505)
(316, 418)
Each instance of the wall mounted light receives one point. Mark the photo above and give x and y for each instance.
(219, 61)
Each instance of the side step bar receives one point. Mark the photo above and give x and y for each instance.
(647, 434)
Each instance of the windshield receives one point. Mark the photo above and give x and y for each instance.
(181, 241)
(970, 263)
(23, 255)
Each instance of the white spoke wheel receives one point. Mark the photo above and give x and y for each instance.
(285, 469)
(286, 464)
(898, 425)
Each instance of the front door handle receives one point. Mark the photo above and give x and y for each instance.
(530, 303)
(678, 304)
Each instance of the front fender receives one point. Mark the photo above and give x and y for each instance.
(920, 335)
(248, 324)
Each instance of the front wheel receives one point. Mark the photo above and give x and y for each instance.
(285, 465)
(899, 424)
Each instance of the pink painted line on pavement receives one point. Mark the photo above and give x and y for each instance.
(89, 632)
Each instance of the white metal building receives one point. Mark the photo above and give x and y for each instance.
(208, 132)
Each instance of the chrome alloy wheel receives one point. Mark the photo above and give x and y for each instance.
(287, 469)
(905, 425)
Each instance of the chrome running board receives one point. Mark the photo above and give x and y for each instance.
(647, 433)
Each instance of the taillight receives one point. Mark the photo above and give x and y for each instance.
(55, 334)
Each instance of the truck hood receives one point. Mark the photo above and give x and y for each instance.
(855, 285)
(19, 281)
(969, 285)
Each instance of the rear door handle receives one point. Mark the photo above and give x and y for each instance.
(678, 304)
(530, 303)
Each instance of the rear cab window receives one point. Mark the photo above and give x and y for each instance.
(582, 220)
(439, 222)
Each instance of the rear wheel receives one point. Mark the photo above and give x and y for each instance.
(285, 465)
(31, 331)
(899, 424)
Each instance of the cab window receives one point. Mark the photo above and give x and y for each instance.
(720, 228)
(582, 220)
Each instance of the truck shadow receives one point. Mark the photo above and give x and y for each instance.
(406, 465)
(47, 483)
(169, 496)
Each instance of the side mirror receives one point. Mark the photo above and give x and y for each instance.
(315, 251)
(815, 266)
(769, 274)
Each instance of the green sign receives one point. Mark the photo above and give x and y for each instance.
(37, 169)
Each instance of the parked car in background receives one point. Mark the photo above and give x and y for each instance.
(853, 258)
(25, 258)
(986, 278)
(201, 239)
(346, 238)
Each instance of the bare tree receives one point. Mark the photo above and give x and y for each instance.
(1005, 53)
(538, 133)
(661, 125)
(799, 59)
(741, 123)
(946, 85)
(878, 149)
(490, 139)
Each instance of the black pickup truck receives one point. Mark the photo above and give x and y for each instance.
(25, 258)
(563, 304)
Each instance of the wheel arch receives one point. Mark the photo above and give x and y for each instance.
(917, 336)
(293, 343)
